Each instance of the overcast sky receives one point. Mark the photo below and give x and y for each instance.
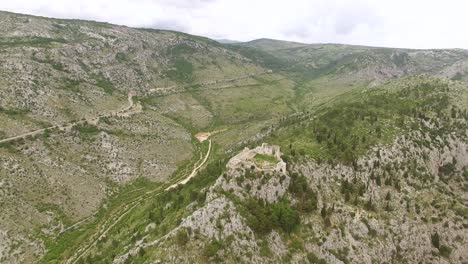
(390, 23)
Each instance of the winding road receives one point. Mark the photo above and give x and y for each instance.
(194, 171)
(131, 106)
(81, 252)
(120, 112)
(115, 218)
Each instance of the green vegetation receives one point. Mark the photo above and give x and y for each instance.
(212, 248)
(265, 158)
(460, 76)
(182, 69)
(351, 126)
(8, 146)
(46, 133)
(71, 85)
(121, 57)
(435, 239)
(182, 72)
(181, 49)
(54, 64)
(263, 218)
(104, 83)
(313, 259)
(353, 190)
(28, 41)
(152, 209)
(181, 236)
(66, 242)
(14, 113)
(445, 251)
(317, 104)
(86, 131)
(48, 207)
(307, 198)
(262, 58)
(341, 254)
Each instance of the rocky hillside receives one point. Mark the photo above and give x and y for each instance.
(124, 145)
(359, 63)
(106, 105)
(399, 198)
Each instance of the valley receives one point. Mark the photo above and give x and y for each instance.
(132, 145)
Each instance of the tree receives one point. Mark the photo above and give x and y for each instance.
(212, 248)
(323, 212)
(387, 207)
(370, 205)
(182, 237)
(454, 112)
(141, 252)
(285, 216)
(445, 251)
(347, 196)
(307, 198)
(378, 181)
(435, 239)
(388, 196)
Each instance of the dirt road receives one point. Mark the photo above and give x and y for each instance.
(194, 171)
(129, 207)
(121, 112)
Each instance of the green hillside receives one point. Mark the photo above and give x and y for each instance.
(127, 145)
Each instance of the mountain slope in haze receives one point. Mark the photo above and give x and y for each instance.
(103, 127)
(364, 63)
(227, 41)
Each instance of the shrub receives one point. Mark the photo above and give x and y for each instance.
(86, 129)
(212, 248)
(445, 251)
(307, 198)
(182, 237)
(285, 216)
(313, 259)
(263, 218)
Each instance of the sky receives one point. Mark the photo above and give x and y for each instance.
(389, 23)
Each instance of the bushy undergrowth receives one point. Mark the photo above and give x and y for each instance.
(350, 127)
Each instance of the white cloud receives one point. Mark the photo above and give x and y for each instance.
(395, 23)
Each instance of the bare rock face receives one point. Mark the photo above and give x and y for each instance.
(404, 221)
(222, 211)
(246, 176)
(268, 182)
(220, 220)
(12, 246)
